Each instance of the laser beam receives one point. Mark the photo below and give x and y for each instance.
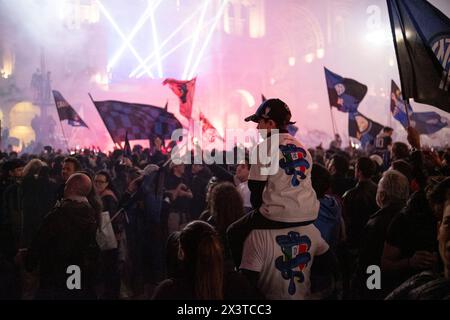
(121, 34)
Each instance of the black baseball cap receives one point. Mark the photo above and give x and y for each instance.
(272, 109)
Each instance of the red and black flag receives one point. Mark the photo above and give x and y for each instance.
(185, 90)
(66, 112)
(208, 130)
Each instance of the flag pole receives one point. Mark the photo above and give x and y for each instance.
(64, 135)
(333, 121)
(394, 37)
(62, 128)
(406, 103)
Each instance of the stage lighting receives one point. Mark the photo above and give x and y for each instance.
(208, 39)
(320, 53)
(291, 61)
(120, 33)
(195, 40)
(309, 58)
(166, 41)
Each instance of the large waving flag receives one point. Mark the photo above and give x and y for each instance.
(421, 36)
(208, 130)
(428, 122)
(424, 122)
(66, 112)
(136, 121)
(363, 128)
(185, 91)
(345, 94)
(398, 108)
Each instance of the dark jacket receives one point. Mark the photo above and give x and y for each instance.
(198, 187)
(38, 198)
(339, 184)
(358, 205)
(66, 237)
(235, 287)
(413, 229)
(371, 248)
(423, 286)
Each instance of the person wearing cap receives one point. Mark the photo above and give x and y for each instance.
(279, 239)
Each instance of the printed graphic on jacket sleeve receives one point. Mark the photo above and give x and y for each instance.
(294, 162)
(294, 259)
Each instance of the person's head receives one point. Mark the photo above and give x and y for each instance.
(444, 239)
(102, 181)
(438, 196)
(400, 151)
(70, 166)
(157, 143)
(201, 253)
(403, 167)
(226, 206)
(439, 199)
(320, 178)
(242, 171)
(78, 185)
(364, 169)
(196, 168)
(338, 165)
(13, 168)
(271, 114)
(387, 131)
(393, 188)
(446, 158)
(177, 169)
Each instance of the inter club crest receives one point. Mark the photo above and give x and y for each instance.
(295, 258)
(294, 162)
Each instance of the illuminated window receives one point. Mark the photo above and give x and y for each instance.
(243, 15)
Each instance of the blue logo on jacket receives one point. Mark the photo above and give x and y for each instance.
(294, 162)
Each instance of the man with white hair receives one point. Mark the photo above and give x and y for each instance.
(392, 194)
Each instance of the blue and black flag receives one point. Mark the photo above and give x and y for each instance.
(421, 36)
(424, 122)
(345, 94)
(136, 121)
(66, 112)
(398, 108)
(428, 122)
(363, 128)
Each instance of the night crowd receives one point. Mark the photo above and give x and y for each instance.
(188, 232)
